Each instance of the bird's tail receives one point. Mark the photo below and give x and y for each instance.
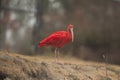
(40, 44)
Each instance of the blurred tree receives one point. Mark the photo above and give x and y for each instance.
(0, 26)
(19, 13)
(4, 20)
(41, 6)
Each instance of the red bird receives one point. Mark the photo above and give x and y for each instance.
(58, 39)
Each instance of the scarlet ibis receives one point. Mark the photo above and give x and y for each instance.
(58, 39)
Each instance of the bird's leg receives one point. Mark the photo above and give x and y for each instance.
(58, 54)
(55, 54)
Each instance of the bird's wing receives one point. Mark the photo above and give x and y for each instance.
(54, 39)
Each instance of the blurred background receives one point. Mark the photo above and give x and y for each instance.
(23, 23)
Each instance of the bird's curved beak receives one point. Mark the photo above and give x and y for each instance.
(72, 34)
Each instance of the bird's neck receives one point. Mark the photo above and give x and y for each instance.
(68, 30)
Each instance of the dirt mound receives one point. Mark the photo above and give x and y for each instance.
(17, 67)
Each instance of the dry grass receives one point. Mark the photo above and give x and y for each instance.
(20, 67)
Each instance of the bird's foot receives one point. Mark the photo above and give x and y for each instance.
(57, 62)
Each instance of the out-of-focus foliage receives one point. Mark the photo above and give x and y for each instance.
(96, 25)
(97, 21)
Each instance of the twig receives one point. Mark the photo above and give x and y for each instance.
(105, 57)
(119, 76)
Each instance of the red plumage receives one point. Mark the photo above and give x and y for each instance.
(58, 39)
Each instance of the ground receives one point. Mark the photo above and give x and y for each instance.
(14, 66)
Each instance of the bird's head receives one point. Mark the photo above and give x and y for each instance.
(70, 26)
(70, 29)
